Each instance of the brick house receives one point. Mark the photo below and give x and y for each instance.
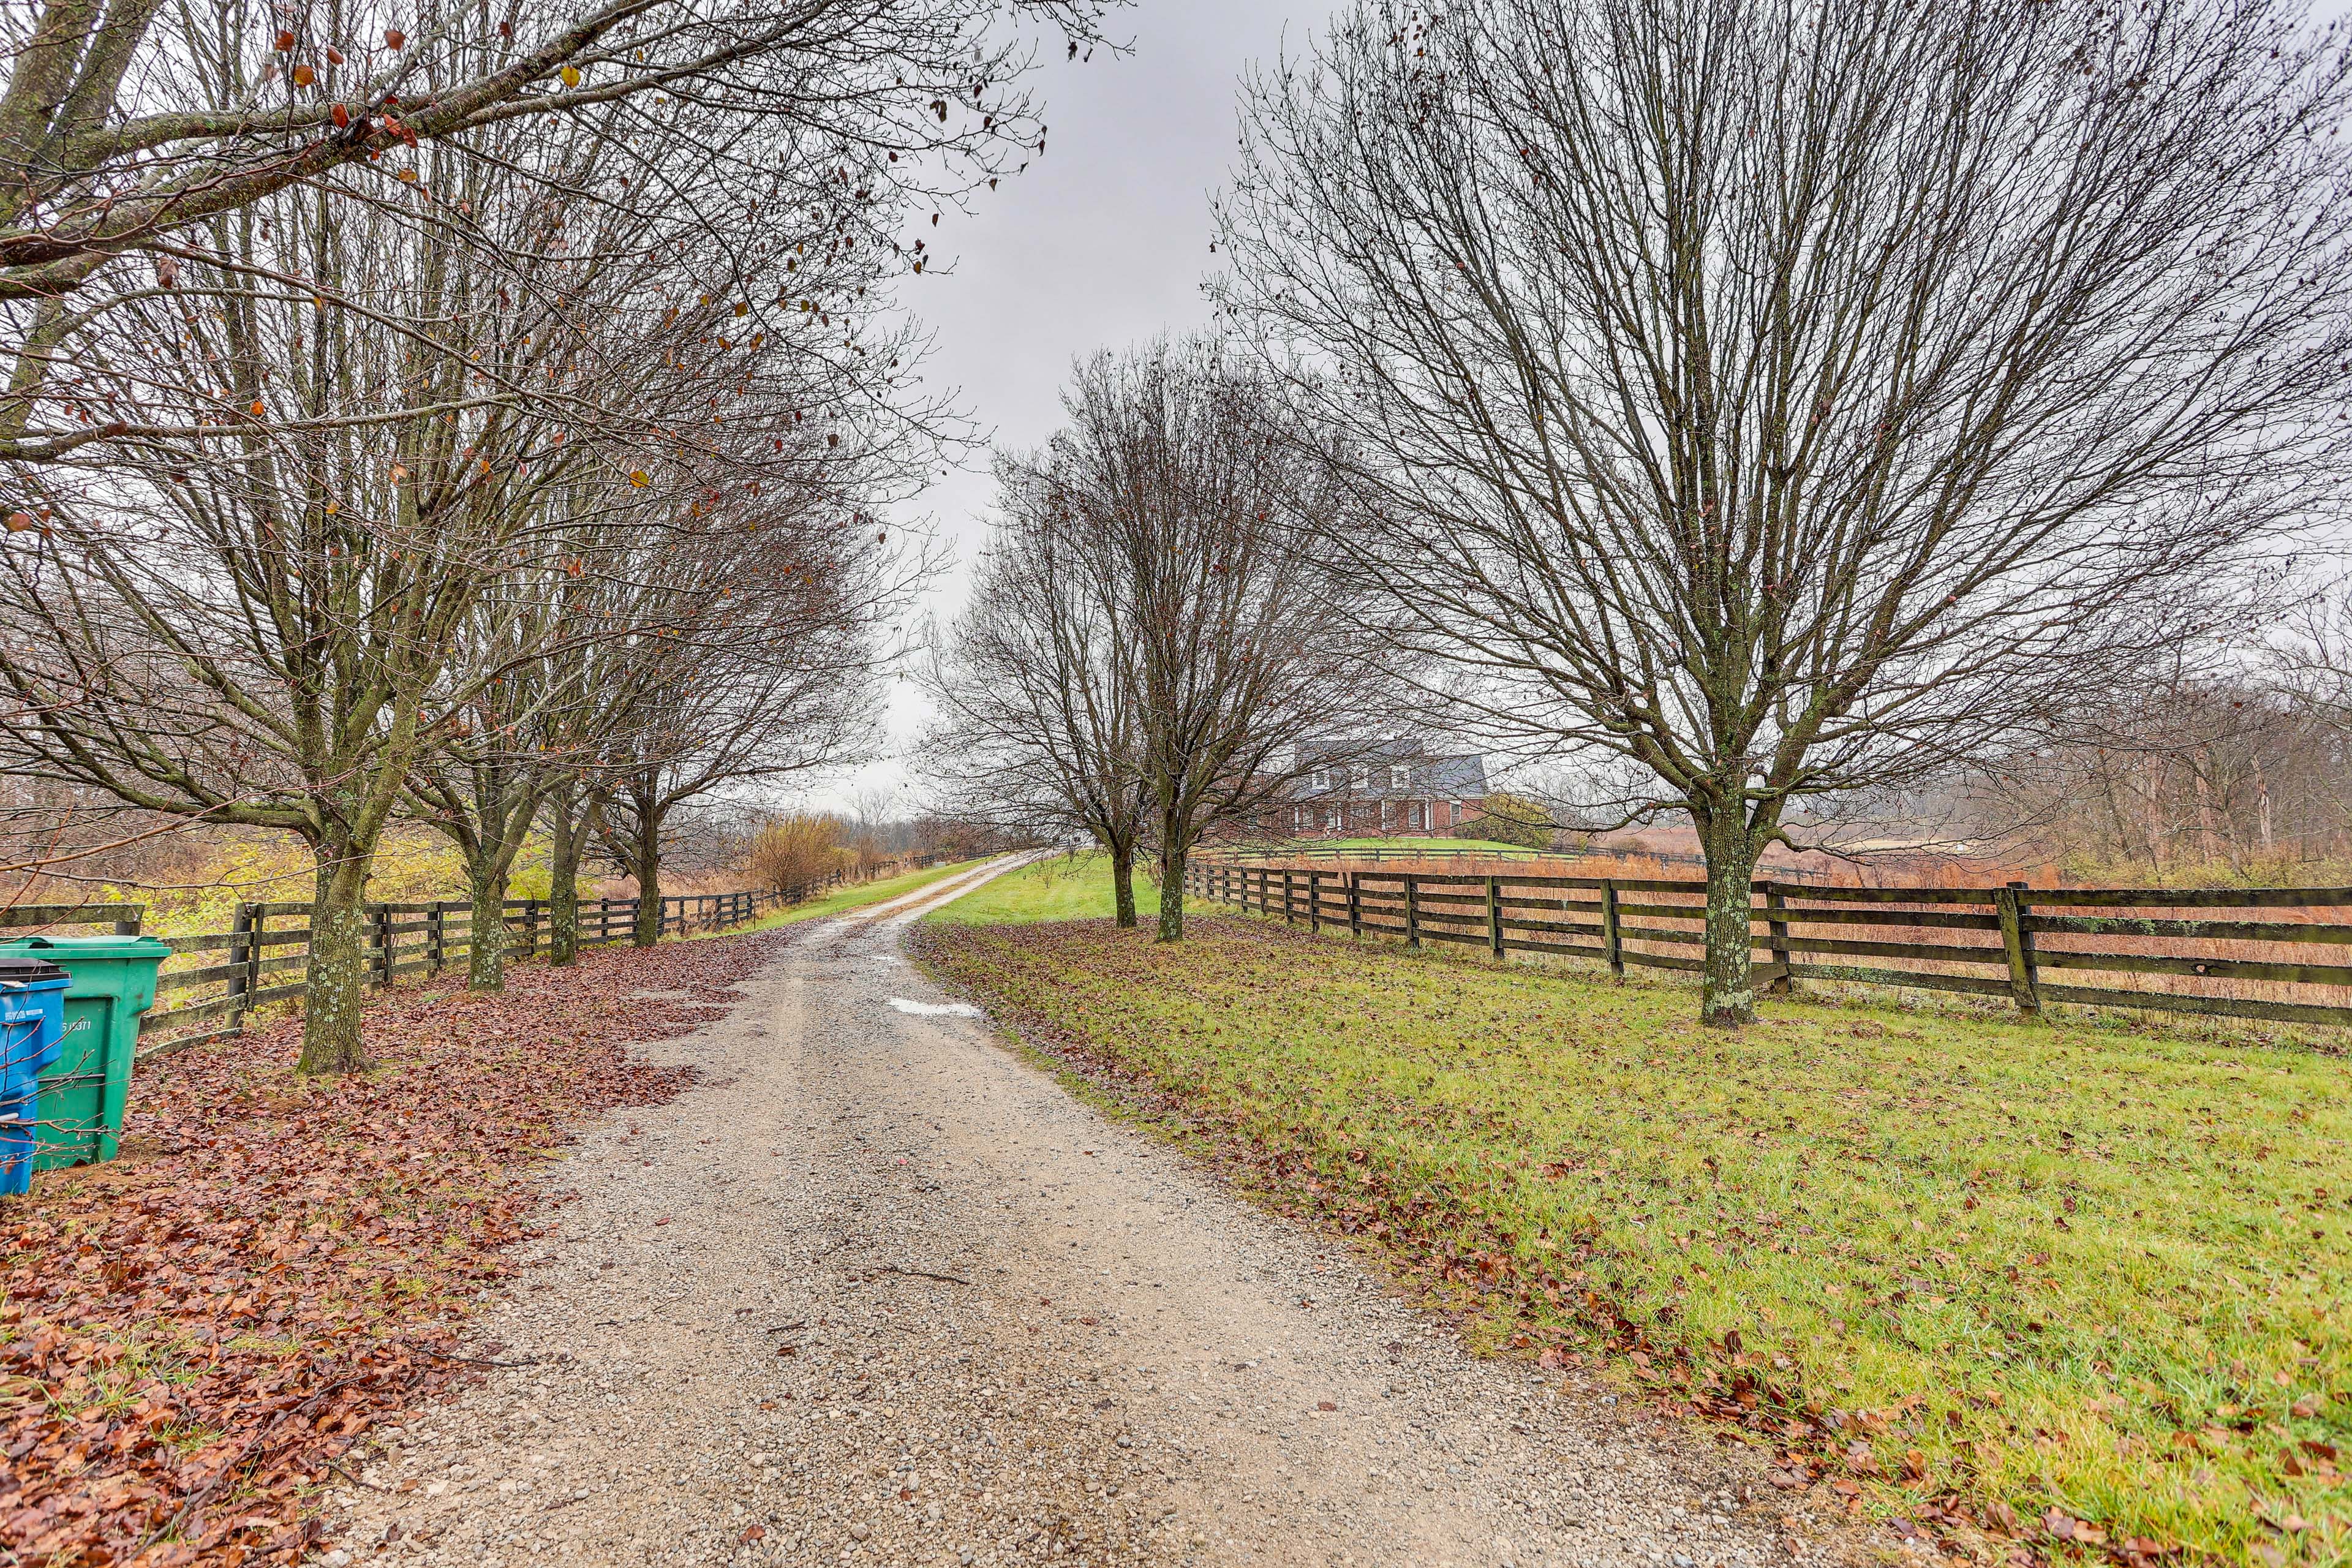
(1399, 790)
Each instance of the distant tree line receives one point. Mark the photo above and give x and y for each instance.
(2234, 764)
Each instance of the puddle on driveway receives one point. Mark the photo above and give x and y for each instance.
(935, 1009)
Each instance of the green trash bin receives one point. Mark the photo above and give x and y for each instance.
(111, 982)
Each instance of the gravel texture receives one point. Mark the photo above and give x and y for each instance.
(877, 1293)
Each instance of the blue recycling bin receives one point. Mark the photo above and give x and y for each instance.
(32, 1032)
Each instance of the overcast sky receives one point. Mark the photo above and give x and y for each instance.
(1101, 244)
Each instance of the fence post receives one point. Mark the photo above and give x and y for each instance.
(1613, 931)
(1355, 904)
(1776, 924)
(1315, 901)
(129, 926)
(253, 965)
(1411, 910)
(530, 928)
(1286, 915)
(242, 954)
(2017, 944)
(436, 938)
(1494, 915)
(379, 917)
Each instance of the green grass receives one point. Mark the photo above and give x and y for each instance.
(1401, 846)
(1064, 887)
(2016, 1266)
(850, 898)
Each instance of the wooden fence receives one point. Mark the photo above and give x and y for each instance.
(1401, 851)
(213, 980)
(2173, 950)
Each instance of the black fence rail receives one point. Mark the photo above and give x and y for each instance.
(213, 980)
(2244, 952)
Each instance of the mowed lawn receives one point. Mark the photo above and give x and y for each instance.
(1975, 1269)
(1062, 888)
(858, 894)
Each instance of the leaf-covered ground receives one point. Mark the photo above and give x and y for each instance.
(2048, 1287)
(191, 1335)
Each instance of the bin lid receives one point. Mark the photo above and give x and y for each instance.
(26, 969)
(65, 949)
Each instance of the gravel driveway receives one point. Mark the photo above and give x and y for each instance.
(879, 1292)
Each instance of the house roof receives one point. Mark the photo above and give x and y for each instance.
(1459, 777)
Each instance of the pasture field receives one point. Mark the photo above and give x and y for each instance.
(1063, 887)
(2082, 1283)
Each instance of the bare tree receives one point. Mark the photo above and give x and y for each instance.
(1178, 512)
(498, 755)
(255, 630)
(1795, 400)
(127, 131)
(1039, 726)
(257, 627)
(772, 676)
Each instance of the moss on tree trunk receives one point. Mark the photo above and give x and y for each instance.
(563, 884)
(1171, 884)
(486, 956)
(645, 863)
(336, 968)
(1727, 983)
(1122, 885)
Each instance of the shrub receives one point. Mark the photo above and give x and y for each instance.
(797, 849)
(1511, 819)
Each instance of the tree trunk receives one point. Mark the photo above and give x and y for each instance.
(2263, 835)
(1122, 883)
(336, 970)
(563, 879)
(1729, 992)
(485, 955)
(1172, 857)
(647, 865)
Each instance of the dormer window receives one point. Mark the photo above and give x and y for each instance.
(1319, 779)
(1399, 777)
(1361, 777)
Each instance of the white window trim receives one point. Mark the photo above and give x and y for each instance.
(1399, 776)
